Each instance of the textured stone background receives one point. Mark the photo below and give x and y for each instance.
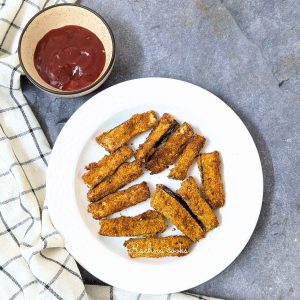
(248, 54)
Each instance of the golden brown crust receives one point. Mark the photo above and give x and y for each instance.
(170, 150)
(120, 200)
(190, 193)
(106, 166)
(91, 166)
(157, 135)
(126, 173)
(115, 138)
(176, 213)
(149, 222)
(209, 165)
(158, 246)
(185, 160)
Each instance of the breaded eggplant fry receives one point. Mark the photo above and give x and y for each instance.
(190, 193)
(119, 200)
(149, 222)
(126, 173)
(177, 212)
(170, 150)
(176, 245)
(209, 166)
(165, 127)
(115, 138)
(106, 166)
(123, 151)
(185, 160)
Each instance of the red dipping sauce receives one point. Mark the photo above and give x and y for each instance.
(69, 58)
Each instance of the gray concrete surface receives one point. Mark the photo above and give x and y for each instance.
(248, 54)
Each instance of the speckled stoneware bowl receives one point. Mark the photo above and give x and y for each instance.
(55, 17)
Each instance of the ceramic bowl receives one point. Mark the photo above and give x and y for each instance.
(55, 17)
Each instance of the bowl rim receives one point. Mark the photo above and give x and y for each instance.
(103, 76)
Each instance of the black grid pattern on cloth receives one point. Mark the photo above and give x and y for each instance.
(33, 132)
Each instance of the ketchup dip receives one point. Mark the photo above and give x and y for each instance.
(69, 58)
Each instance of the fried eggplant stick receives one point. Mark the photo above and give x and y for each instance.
(187, 157)
(190, 193)
(165, 127)
(126, 173)
(170, 150)
(106, 166)
(149, 222)
(176, 245)
(209, 166)
(119, 200)
(115, 138)
(177, 212)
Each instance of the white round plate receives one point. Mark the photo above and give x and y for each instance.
(105, 257)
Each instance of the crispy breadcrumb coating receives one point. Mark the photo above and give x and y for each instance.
(149, 222)
(187, 157)
(106, 166)
(170, 150)
(190, 193)
(119, 200)
(158, 246)
(166, 203)
(126, 173)
(115, 138)
(167, 124)
(209, 165)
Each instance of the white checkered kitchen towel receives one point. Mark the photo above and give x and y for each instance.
(33, 261)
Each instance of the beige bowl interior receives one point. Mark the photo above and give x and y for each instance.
(56, 17)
